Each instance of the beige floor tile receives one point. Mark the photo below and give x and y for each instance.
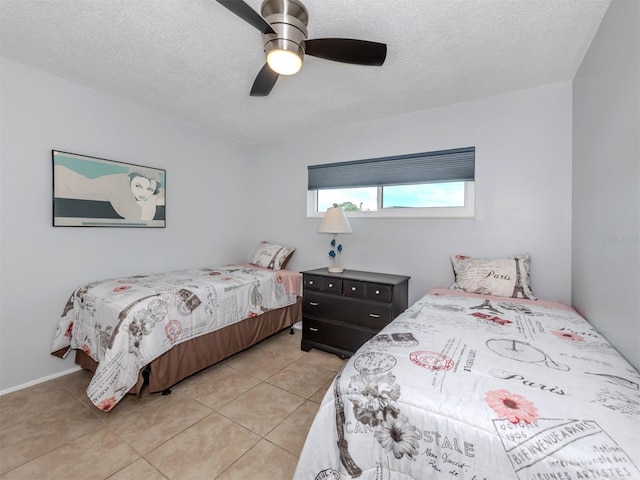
(138, 470)
(283, 343)
(323, 359)
(262, 408)
(301, 378)
(28, 440)
(76, 383)
(217, 386)
(96, 455)
(292, 432)
(157, 422)
(129, 404)
(259, 362)
(321, 392)
(17, 407)
(263, 461)
(203, 450)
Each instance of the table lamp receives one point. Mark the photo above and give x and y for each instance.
(335, 222)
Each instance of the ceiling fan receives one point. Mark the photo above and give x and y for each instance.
(283, 24)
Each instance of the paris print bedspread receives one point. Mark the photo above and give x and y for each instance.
(125, 323)
(464, 386)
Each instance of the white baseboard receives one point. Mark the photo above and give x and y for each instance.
(40, 380)
(297, 325)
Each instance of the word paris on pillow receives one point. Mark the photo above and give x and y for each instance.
(271, 255)
(502, 277)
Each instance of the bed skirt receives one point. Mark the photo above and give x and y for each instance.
(190, 357)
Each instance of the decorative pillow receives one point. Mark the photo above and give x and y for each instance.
(271, 255)
(502, 277)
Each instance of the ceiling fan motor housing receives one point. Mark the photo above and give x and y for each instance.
(289, 19)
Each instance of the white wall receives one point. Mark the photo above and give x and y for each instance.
(42, 265)
(523, 199)
(606, 180)
(523, 191)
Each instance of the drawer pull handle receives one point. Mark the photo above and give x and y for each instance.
(313, 329)
(331, 285)
(377, 292)
(374, 315)
(314, 304)
(310, 282)
(353, 289)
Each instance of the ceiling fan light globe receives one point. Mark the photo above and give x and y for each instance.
(284, 62)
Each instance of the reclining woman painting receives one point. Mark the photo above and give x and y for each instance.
(88, 190)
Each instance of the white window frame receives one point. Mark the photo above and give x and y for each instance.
(466, 211)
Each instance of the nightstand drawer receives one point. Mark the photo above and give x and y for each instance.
(354, 288)
(344, 337)
(379, 291)
(332, 285)
(372, 315)
(322, 284)
(349, 310)
(312, 282)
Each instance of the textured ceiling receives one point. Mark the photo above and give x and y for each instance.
(195, 60)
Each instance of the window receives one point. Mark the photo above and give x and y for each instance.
(430, 184)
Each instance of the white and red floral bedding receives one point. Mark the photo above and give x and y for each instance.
(472, 387)
(125, 323)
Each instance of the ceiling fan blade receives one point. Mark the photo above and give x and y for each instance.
(248, 14)
(347, 50)
(264, 82)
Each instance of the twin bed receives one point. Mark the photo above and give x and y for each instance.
(478, 387)
(462, 385)
(159, 329)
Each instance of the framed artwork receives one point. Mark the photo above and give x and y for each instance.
(94, 192)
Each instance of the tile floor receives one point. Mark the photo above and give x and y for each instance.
(245, 418)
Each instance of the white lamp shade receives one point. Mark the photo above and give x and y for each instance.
(335, 221)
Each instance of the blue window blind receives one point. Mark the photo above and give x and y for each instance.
(457, 165)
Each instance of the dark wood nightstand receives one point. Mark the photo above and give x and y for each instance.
(341, 311)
